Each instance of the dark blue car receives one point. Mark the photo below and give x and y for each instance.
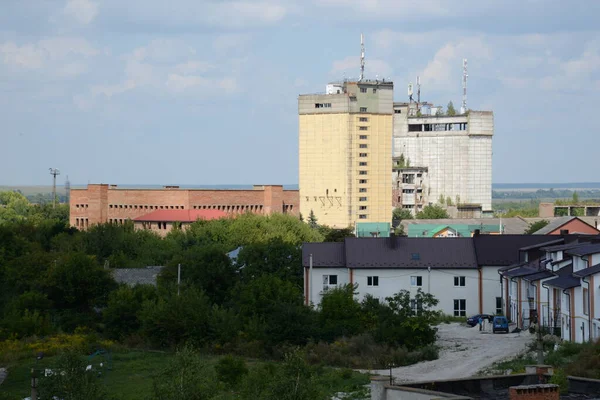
(500, 324)
(474, 320)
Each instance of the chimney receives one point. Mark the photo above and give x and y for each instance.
(596, 223)
(476, 232)
(531, 392)
(564, 231)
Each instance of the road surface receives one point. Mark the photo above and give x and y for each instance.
(464, 352)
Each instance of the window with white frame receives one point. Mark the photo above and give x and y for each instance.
(416, 281)
(498, 305)
(372, 281)
(460, 308)
(459, 281)
(416, 306)
(329, 281)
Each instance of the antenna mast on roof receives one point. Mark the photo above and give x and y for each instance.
(463, 108)
(362, 58)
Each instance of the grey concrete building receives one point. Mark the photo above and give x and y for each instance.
(455, 150)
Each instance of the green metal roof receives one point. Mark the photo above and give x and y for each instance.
(464, 230)
(365, 229)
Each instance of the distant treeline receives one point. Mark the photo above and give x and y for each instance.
(546, 194)
(43, 198)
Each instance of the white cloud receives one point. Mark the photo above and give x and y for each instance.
(165, 65)
(231, 14)
(190, 67)
(63, 56)
(26, 56)
(443, 70)
(84, 11)
(180, 83)
(229, 41)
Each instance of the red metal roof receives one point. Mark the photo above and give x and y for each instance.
(181, 215)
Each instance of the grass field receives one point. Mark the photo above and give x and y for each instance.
(130, 377)
(132, 374)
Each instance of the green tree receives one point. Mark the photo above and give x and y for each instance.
(339, 313)
(75, 281)
(409, 322)
(274, 258)
(174, 319)
(312, 220)
(401, 214)
(449, 201)
(231, 370)
(120, 316)
(575, 198)
(273, 311)
(206, 267)
(441, 199)
(432, 212)
(186, 377)
(536, 226)
(293, 380)
(450, 111)
(335, 235)
(71, 381)
(13, 207)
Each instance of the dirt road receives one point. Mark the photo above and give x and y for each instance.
(464, 352)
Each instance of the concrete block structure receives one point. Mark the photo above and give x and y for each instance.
(455, 150)
(345, 151)
(101, 203)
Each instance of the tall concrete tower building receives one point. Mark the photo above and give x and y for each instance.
(443, 157)
(345, 153)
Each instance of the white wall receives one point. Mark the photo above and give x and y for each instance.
(491, 289)
(316, 282)
(439, 282)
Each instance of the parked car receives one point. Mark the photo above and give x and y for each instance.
(500, 324)
(474, 320)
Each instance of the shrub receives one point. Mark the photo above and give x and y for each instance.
(362, 351)
(231, 370)
(560, 378)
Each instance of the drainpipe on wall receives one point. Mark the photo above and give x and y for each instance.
(548, 297)
(501, 289)
(518, 305)
(537, 304)
(589, 310)
(310, 275)
(569, 307)
(429, 280)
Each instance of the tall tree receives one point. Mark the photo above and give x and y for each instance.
(432, 212)
(450, 111)
(312, 220)
(401, 214)
(536, 226)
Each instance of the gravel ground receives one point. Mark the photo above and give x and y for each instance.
(464, 352)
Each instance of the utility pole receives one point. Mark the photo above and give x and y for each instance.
(54, 172)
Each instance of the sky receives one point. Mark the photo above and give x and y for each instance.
(205, 92)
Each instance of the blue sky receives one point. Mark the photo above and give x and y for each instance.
(205, 92)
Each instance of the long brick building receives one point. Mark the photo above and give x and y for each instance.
(100, 203)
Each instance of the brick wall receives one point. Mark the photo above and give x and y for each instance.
(534, 392)
(104, 203)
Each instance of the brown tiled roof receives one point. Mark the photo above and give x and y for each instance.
(503, 249)
(403, 252)
(330, 254)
